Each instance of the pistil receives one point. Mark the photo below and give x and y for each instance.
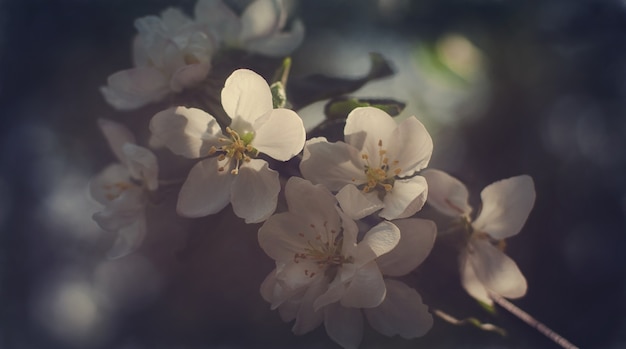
(237, 147)
(379, 176)
(326, 254)
(116, 189)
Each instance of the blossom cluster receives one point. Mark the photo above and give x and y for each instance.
(173, 52)
(350, 229)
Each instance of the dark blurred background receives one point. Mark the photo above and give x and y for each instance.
(504, 87)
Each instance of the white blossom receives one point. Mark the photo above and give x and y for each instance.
(170, 53)
(506, 205)
(121, 188)
(235, 176)
(261, 28)
(323, 275)
(374, 169)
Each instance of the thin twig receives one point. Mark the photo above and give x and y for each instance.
(531, 321)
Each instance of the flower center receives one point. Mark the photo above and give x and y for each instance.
(380, 176)
(237, 148)
(114, 190)
(190, 59)
(479, 235)
(326, 254)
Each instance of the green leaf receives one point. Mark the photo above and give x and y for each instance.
(306, 90)
(452, 60)
(331, 129)
(339, 108)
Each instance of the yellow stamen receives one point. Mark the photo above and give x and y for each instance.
(116, 189)
(237, 148)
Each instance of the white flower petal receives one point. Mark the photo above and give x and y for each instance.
(506, 206)
(307, 318)
(344, 325)
(417, 237)
(379, 240)
(401, 313)
(496, 270)
(122, 210)
(133, 88)
(261, 18)
(412, 147)
(206, 190)
(280, 236)
(366, 289)
(150, 25)
(350, 233)
(147, 42)
(268, 288)
(189, 75)
(289, 310)
(405, 199)
(279, 44)
(219, 18)
(174, 18)
(200, 47)
(315, 206)
(366, 128)
(153, 39)
(446, 193)
(246, 97)
(142, 165)
(281, 135)
(101, 185)
(188, 132)
(335, 291)
(357, 204)
(332, 164)
(470, 281)
(296, 276)
(287, 300)
(116, 135)
(129, 238)
(140, 56)
(254, 193)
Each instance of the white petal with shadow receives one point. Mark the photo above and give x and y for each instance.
(446, 193)
(405, 199)
(417, 237)
(281, 135)
(206, 190)
(506, 206)
(254, 192)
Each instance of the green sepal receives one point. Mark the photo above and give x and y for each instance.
(471, 321)
(279, 94)
(486, 327)
(278, 86)
(490, 308)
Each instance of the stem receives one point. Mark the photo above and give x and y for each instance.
(469, 321)
(451, 229)
(531, 321)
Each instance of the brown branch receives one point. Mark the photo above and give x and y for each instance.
(531, 321)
